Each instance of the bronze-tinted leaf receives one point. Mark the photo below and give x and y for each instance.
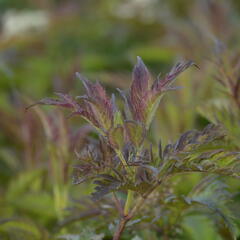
(164, 84)
(105, 185)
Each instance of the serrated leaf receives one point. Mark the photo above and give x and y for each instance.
(135, 132)
(105, 185)
(214, 195)
(203, 151)
(116, 137)
(144, 97)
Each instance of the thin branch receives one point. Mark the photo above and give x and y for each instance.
(118, 204)
(139, 203)
(120, 228)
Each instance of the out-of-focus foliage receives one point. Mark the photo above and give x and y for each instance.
(43, 43)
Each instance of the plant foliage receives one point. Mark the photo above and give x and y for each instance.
(124, 160)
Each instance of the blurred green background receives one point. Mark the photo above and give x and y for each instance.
(43, 43)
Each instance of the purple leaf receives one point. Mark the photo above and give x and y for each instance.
(99, 107)
(161, 84)
(141, 78)
(144, 97)
(65, 101)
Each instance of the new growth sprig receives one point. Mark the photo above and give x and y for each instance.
(101, 111)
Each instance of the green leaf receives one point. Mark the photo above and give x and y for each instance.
(21, 183)
(136, 132)
(204, 151)
(213, 194)
(19, 230)
(116, 137)
(151, 110)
